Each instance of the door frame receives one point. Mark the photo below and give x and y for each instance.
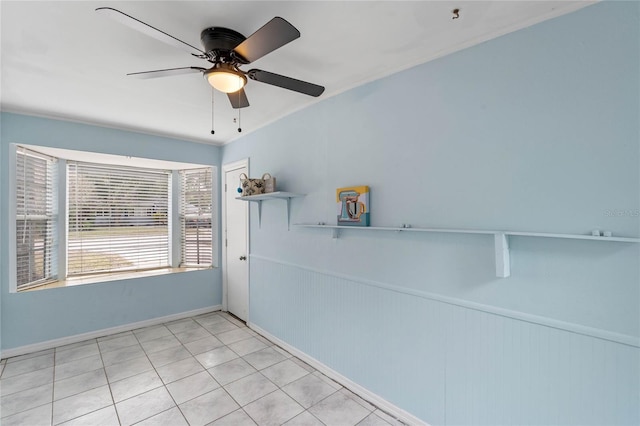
(244, 163)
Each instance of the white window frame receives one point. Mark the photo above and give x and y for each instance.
(63, 155)
(134, 206)
(182, 217)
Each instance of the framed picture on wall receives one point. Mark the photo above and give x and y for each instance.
(353, 206)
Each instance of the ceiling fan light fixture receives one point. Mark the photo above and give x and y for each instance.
(224, 78)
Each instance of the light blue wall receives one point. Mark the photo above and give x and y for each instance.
(535, 131)
(38, 316)
(3, 232)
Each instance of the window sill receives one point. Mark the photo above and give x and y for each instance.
(99, 278)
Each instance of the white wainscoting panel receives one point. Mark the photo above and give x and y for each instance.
(442, 362)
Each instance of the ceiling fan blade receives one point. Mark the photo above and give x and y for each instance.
(286, 82)
(238, 99)
(147, 29)
(273, 35)
(165, 73)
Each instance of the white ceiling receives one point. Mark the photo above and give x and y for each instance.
(62, 59)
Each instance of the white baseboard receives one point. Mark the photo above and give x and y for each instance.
(362, 392)
(35, 347)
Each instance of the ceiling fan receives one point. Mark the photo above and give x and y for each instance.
(227, 50)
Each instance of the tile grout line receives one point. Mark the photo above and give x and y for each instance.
(192, 356)
(278, 388)
(164, 385)
(221, 386)
(205, 369)
(104, 368)
(107, 379)
(225, 345)
(125, 378)
(194, 324)
(75, 394)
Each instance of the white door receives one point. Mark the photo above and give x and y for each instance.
(235, 245)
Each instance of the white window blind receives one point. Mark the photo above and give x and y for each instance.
(117, 218)
(36, 253)
(195, 217)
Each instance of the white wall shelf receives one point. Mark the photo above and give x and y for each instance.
(501, 238)
(279, 195)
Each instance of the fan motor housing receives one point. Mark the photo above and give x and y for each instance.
(221, 40)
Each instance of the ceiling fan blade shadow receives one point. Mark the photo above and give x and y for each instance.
(238, 99)
(271, 36)
(147, 29)
(165, 73)
(286, 82)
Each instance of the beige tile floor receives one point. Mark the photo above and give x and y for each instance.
(205, 370)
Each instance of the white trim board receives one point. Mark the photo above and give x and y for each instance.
(36, 347)
(362, 392)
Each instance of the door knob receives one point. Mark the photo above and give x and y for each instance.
(243, 257)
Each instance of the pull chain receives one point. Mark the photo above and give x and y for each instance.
(239, 116)
(213, 132)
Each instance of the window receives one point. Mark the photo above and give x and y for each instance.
(195, 217)
(107, 217)
(117, 218)
(35, 218)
